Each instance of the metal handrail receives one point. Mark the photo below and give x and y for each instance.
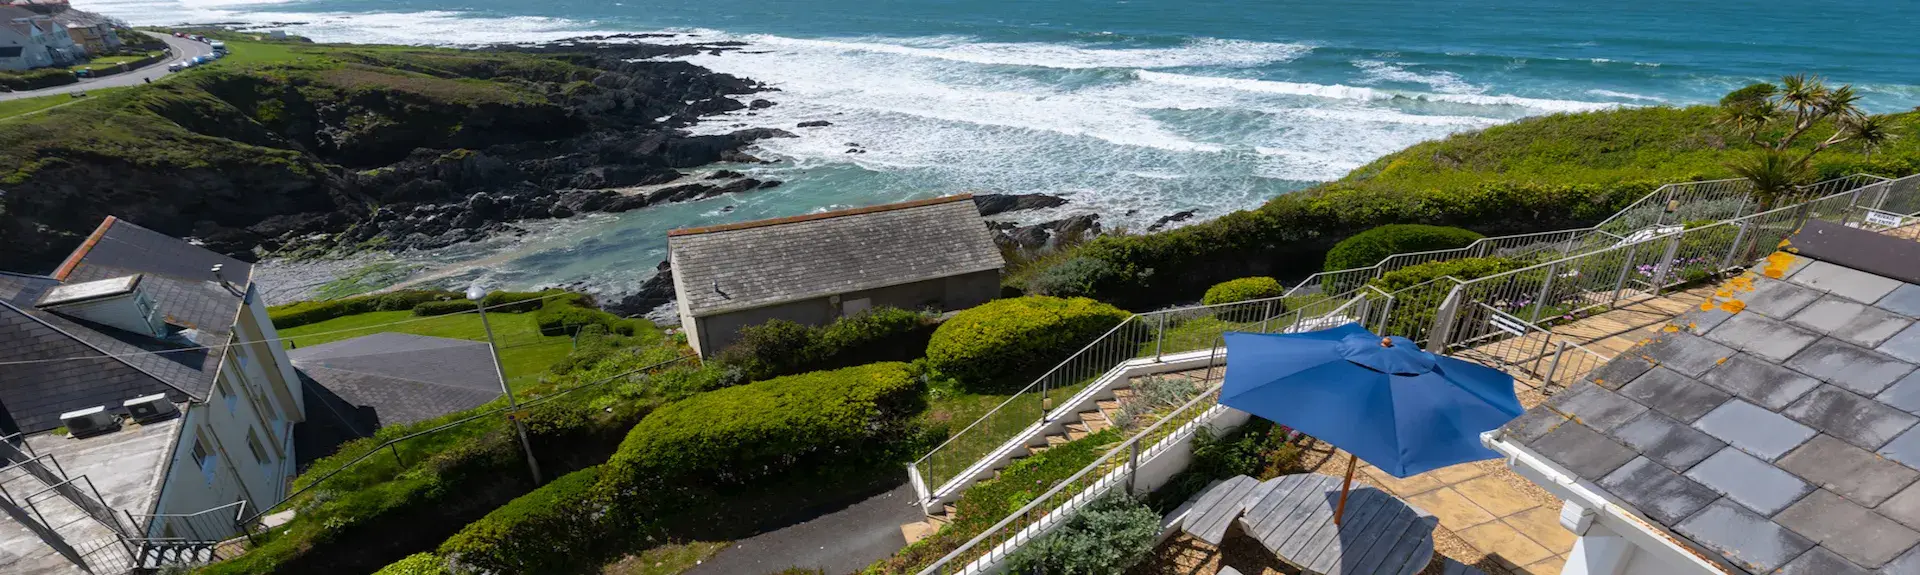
(389, 444)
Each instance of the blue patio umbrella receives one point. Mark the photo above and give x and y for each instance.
(1384, 400)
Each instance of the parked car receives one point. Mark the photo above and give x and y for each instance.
(218, 46)
(176, 66)
(179, 34)
(198, 60)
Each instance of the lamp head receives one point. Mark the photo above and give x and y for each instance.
(475, 293)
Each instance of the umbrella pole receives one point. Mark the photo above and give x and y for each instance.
(1341, 510)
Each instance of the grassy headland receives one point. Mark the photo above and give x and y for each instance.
(1553, 172)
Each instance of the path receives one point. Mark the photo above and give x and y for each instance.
(183, 49)
(844, 541)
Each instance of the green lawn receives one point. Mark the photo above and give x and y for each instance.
(524, 353)
(11, 108)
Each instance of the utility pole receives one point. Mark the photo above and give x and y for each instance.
(513, 407)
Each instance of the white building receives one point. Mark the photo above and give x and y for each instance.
(158, 358)
(29, 40)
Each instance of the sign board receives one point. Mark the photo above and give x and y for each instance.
(1509, 325)
(1884, 219)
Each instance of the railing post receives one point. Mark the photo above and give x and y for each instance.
(1738, 238)
(1266, 316)
(1666, 263)
(396, 456)
(1443, 320)
(1626, 267)
(1546, 290)
(1159, 337)
(1133, 465)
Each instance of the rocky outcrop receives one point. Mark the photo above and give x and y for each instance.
(1177, 217)
(992, 204)
(656, 292)
(1047, 234)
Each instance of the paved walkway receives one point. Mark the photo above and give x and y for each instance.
(843, 541)
(183, 49)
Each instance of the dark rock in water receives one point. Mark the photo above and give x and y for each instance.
(759, 104)
(815, 124)
(1180, 216)
(657, 291)
(726, 210)
(853, 150)
(990, 204)
(725, 175)
(769, 184)
(1048, 234)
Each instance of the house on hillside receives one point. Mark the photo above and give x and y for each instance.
(32, 40)
(93, 32)
(1775, 431)
(935, 253)
(144, 376)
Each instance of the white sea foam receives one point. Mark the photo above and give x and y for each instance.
(1202, 52)
(1624, 95)
(1344, 92)
(1442, 80)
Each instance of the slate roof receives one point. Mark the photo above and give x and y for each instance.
(396, 378)
(766, 262)
(198, 310)
(1777, 428)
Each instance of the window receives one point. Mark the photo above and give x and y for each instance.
(233, 401)
(204, 457)
(10, 51)
(259, 451)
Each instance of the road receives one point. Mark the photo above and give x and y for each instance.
(183, 49)
(843, 541)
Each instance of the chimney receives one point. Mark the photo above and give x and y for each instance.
(119, 302)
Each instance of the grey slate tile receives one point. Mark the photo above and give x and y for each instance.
(1855, 322)
(1656, 491)
(1582, 451)
(1903, 394)
(1743, 536)
(1820, 561)
(1849, 283)
(1777, 298)
(1759, 335)
(1763, 433)
(1907, 564)
(1748, 481)
(1903, 507)
(1669, 442)
(1533, 424)
(1904, 345)
(1762, 383)
(1595, 406)
(1904, 300)
(1698, 321)
(1904, 449)
(1621, 370)
(1689, 354)
(1861, 421)
(1849, 471)
(1854, 532)
(1849, 366)
(1673, 394)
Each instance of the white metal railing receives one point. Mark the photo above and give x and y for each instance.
(1147, 335)
(1443, 315)
(1669, 205)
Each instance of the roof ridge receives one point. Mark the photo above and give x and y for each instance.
(80, 253)
(820, 216)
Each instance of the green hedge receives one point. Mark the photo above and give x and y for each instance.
(1369, 247)
(781, 347)
(736, 435)
(1109, 535)
(1003, 342)
(1258, 449)
(567, 314)
(451, 306)
(1463, 268)
(524, 301)
(36, 79)
(520, 536)
(306, 312)
(417, 564)
(1243, 289)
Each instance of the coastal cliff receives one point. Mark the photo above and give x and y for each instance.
(309, 148)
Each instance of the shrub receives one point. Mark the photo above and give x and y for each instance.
(1369, 247)
(567, 314)
(1109, 535)
(36, 79)
(1074, 277)
(1243, 289)
(1002, 341)
(306, 312)
(521, 536)
(417, 564)
(525, 301)
(1464, 268)
(735, 435)
(443, 307)
(781, 347)
(1257, 449)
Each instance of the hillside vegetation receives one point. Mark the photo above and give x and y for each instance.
(1546, 173)
(297, 137)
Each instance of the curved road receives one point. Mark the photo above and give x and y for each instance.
(183, 49)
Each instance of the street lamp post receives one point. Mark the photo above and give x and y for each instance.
(513, 407)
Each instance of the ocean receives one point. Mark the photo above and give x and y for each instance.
(1132, 109)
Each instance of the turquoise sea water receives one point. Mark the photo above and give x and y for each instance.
(1133, 109)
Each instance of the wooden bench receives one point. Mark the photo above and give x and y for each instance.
(1292, 516)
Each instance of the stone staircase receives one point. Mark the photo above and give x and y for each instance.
(47, 512)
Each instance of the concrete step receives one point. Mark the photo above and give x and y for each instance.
(1038, 449)
(1056, 440)
(1094, 420)
(1076, 431)
(1121, 394)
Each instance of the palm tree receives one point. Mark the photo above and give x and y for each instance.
(1872, 132)
(1773, 174)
